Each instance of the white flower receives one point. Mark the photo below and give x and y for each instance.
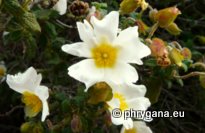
(126, 97)
(107, 51)
(61, 6)
(34, 95)
(138, 127)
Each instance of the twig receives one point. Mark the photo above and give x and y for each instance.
(153, 29)
(65, 25)
(198, 64)
(11, 111)
(188, 75)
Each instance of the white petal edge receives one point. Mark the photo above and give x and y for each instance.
(132, 50)
(61, 6)
(43, 94)
(121, 73)
(140, 103)
(45, 110)
(79, 49)
(26, 81)
(140, 127)
(86, 72)
(107, 27)
(129, 91)
(86, 33)
(121, 121)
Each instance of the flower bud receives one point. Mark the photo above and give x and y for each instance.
(142, 27)
(79, 8)
(163, 61)
(76, 124)
(128, 6)
(94, 12)
(2, 70)
(26, 127)
(176, 56)
(173, 29)
(158, 47)
(100, 92)
(186, 53)
(167, 16)
(152, 15)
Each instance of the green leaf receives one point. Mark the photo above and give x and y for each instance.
(154, 87)
(202, 80)
(51, 30)
(65, 105)
(29, 22)
(45, 14)
(151, 62)
(13, 7)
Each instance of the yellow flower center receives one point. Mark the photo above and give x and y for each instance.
(120, 97)
(105, 55)
(33, 104)
(133, 130)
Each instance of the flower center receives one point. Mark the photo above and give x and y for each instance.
(120, 97)
(133, 130)
(105, 55)
(33, 104)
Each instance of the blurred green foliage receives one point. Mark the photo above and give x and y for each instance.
(34, 38)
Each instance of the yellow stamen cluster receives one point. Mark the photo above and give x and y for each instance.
(133, 130)
(32, 101)
(105, 55)
(120, 97)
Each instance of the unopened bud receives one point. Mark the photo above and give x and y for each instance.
(2, 70)
(128, 6)
(186, 53)
(26, 127)
(76, 124)
(142, 27)
(176, 56)
(100, 92)
(173, 29)
(167, 16)
(94, 12)
(152, 15)
(163, 61)
(158, 47)
(79, 8)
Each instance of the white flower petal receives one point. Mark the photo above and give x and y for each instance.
(86, 33)
(129, 91)
(122, 73)
(26, 81)
(78, 49)
(132, 49)
(107, 27)
(121, 121)
(61, 6)
(43, 94)
(140, 103)
(45, 111)
(139, 126)
(86, 72)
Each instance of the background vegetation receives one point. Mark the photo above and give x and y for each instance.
(35, 39)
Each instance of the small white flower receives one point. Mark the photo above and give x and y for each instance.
(61, 6)
(34, 95)
(126, 97)
(138, 127)
(108, 52)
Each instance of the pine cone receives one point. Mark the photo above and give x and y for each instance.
(79, 8)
